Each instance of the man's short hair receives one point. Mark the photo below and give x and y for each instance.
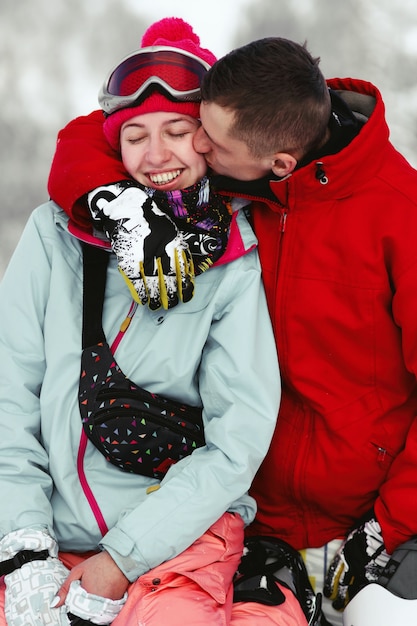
(277, 93)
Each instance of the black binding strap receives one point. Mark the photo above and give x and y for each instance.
(22, 557)
(95, 273)
(75, 620)
(399, 574)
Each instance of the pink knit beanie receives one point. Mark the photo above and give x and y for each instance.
(173, 32)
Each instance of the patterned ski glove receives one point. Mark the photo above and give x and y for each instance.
(358, 562)
(31, 587)
(152, 254)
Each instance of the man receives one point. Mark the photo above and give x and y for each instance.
(335, 212)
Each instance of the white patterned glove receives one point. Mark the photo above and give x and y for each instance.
(90, 607)
(31, 587)
(29, 592)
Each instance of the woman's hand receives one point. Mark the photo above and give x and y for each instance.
(99, 575)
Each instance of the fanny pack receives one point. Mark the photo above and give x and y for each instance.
(136, 430)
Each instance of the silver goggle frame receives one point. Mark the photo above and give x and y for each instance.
(111, 102)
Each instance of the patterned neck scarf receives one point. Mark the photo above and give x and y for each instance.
(202, 215)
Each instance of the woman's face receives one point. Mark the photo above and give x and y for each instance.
(157, 150)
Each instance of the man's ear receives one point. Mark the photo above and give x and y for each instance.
(283, 164)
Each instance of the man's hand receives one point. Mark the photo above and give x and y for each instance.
(358, 562)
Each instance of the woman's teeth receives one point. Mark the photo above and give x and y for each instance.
(165, 177)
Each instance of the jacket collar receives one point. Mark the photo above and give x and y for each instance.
(353, 153)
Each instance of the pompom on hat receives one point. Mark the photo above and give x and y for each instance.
(175, 33)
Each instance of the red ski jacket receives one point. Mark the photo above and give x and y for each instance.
(338, 248)
(339, 259)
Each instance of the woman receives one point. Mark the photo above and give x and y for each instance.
(83, 536)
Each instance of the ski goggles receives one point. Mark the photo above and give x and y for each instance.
(176, 72)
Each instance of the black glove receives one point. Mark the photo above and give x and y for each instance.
(358, 562)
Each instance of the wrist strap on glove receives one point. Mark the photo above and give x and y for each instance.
(78, 621)
(19, 559)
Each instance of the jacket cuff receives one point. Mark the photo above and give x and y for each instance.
(121, 548)
(27, 539)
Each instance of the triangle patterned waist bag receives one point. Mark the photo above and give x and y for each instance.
(136, 430)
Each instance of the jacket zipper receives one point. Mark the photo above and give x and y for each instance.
(283, 221)
(124, 326)
(282, 229)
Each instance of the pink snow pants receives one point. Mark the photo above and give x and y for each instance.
(195, 588)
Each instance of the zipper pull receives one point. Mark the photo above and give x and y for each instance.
(321, 174)
(126, 322)
(381, 454)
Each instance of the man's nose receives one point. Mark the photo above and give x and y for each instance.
(200, 141)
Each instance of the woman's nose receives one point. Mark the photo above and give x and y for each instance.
(157, 152)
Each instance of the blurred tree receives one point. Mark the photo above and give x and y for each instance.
(53, 57)
(375, 40)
